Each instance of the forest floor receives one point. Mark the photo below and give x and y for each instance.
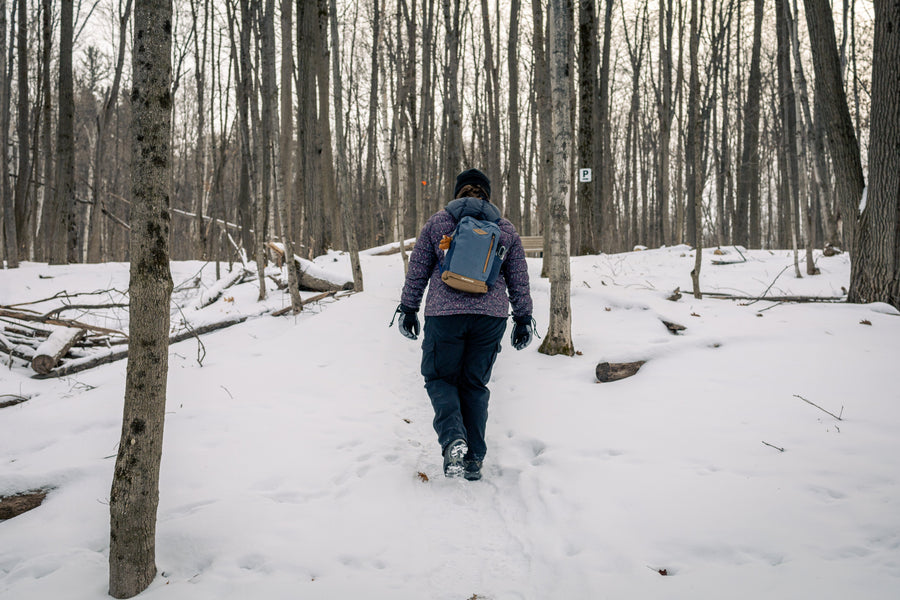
(300, 462)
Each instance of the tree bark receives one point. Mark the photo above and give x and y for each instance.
(347, 205)
(842, 140)
(49, 353)
(134, 496)
(453, 136)
(62, 213)
(875, 272)
(665, 114)
(604, 212)
(695, 133)
(745, 226)
(588, 63)
(514, 199)
(23, 176)
(285, 149)
(95, 228)
(559, 335)
(11, 246)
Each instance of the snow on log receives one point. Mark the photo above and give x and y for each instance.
(615, 371)
(311, 277)
(54, 348)
(215, 291)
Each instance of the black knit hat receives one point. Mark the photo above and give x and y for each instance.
(473, 177)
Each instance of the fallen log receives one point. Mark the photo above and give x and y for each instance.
(15, 399)
(21, 316)
(54, 348)
(12, 348)
(83, 364)
(15, 505)
(673, 328)
(614, 371)
(283, 311)
(310, 277)
(798, 299)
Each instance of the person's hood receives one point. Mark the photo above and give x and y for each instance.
(473, 207)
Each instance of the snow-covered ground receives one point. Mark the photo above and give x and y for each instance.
(292, 458)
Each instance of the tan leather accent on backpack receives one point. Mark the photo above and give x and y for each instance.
(464, 284)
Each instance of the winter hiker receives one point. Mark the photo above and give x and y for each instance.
(463, 329)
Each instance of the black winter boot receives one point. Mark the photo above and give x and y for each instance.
(472, 470)
(454, 458)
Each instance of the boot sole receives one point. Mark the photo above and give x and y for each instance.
(455, 463)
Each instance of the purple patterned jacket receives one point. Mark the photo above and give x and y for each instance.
(425, 268)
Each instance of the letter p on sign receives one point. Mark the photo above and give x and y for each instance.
(584, 175)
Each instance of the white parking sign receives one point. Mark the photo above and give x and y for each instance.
(584, 175)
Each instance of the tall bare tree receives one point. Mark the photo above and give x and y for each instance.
(745, 226)
(665, 114)
(285, 151)
(452, 113)
(875, 272)
(23, 175)
(11, 250)
(842, 140)
(588, 62)
(342, 172)
(604, 214)
(559, 335)
(62, 214)
(98, 187)
(694, 149)
(134, 496)
(514, 176)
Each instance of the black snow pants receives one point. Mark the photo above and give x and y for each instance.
(458, 353)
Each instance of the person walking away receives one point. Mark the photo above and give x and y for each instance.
(463, 329)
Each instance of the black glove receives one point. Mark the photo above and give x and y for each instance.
(522, 331)
(409, 322)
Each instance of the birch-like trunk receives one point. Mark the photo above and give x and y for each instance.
(342, 171)
(559, 335)
(9, 221)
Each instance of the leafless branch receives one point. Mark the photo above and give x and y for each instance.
(820, 408)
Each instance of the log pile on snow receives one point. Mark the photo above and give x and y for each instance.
(53, 346)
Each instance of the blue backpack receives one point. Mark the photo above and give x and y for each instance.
(473, 259)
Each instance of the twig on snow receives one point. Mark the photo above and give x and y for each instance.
(771, 446)
(820, 408)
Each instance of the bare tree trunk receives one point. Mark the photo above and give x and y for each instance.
(10, 247)
(95, 231)
(200, 185)
(588, 62)
(695, 133)
(665, 115)
(875, 273)
(62, 249)
(745, 230)
(134, 496)
(493, 165)
(453, 139)
(343, 168)
(240, 44)
(542, 100)
(24, 171)
(371, 185)
(285, 150)
(842, 140)
(559, 335)
(514, 201)
(604, 164)
(789, 126)
(269, 117)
